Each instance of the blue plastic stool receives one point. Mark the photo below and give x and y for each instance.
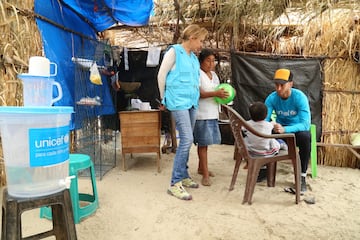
(78, 162)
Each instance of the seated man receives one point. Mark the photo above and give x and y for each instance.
(292, 116)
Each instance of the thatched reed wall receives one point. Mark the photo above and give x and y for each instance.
(341, 115)
(336, 35)
(19, 40)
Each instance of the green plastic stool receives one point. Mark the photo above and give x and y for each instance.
(313, 154)
(83, 204)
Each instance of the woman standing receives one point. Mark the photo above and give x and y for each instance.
(178, 81)
(207, 130)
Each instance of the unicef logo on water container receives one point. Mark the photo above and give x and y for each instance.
(49, 150)
(52, 142)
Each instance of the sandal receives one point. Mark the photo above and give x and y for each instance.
(292, 191)
(289, 190)
(211, 174)
(206, 182)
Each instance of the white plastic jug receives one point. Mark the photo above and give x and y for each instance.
(38, 91)
(35, 143)
(41, 66)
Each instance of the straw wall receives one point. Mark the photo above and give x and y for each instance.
(341, 115)
(336, 35)
(19, 40)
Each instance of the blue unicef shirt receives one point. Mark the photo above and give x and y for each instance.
(292, 113)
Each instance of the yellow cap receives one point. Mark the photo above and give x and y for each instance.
(282, 76)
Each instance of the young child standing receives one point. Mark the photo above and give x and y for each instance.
(206, 130)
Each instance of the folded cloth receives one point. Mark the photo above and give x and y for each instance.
(153, 56)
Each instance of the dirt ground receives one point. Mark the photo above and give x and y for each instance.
(134, 204)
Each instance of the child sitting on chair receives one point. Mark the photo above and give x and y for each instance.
(261, 146)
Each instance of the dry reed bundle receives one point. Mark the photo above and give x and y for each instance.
(340, 119)
(138, 37)
(229, 22)
(287, 45)
(334, 33)
(232, 22)
(341, 115)
(20, 40)
(341, 74)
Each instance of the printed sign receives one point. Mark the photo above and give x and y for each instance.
(48, 146)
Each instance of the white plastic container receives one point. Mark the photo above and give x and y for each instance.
(38, 90)
(41, 66)
(35, 142)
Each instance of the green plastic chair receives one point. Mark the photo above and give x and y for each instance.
(89, 202)
(313, 154)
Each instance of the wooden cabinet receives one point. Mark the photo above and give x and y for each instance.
(140, 133)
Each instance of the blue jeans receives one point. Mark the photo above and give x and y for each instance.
(185, 122)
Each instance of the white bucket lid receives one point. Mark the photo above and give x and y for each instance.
(36, 110)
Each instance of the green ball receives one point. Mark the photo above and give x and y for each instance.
(228, 88)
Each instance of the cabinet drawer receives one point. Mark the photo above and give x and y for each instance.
(139, 141)
(143, 129)
(140, 129)
(139, 117)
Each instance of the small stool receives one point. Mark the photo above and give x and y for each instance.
(78, 162)
(63, 221)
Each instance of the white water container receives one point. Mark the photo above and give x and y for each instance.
(38, 90)
(35, 142)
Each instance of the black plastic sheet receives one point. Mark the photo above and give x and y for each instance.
(252, 78)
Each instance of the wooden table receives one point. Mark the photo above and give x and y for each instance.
(140, 133)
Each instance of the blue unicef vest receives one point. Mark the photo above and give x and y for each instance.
(182, 83)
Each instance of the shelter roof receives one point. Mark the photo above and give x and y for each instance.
(101, 15)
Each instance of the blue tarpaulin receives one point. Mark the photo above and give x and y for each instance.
(102, 14)
(69, 29)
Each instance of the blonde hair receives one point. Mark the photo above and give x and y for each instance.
(193, 30)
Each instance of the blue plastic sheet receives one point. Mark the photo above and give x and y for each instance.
(105, 13)
(68, 29)
(252, 78)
